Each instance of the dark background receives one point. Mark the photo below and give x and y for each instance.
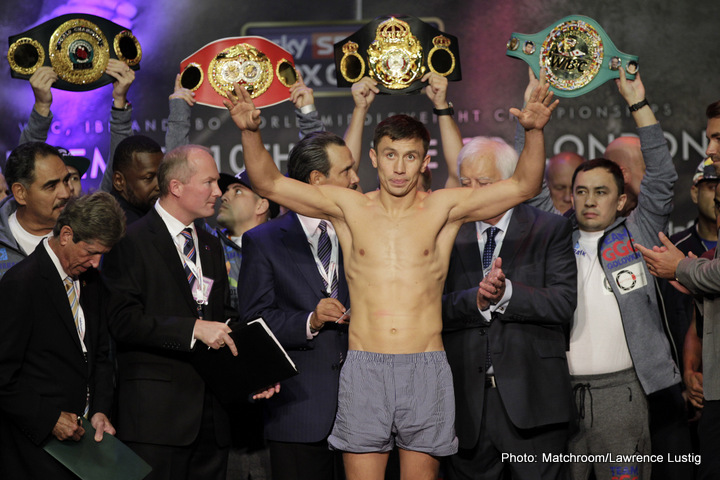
(677, 43)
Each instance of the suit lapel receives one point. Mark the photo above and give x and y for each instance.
(517, 232)
(166, 249)
(343, 293)
(208, 270)
(469, 253)
(299, 250)
(58, 295)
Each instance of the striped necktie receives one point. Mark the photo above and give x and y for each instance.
(189, 251)
(324, 251)
(74, 305)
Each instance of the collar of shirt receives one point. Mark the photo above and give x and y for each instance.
(502, 225)
(174, 227)
(76, 286)
(310, 227)
(56, 261)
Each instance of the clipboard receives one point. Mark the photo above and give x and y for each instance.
(109, 459)
(261, 362)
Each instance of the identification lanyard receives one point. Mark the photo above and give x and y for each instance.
(202, 286)
(327, 276)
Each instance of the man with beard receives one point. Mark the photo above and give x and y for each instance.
(134, 179)
(38, 182)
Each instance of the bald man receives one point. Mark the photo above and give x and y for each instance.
(558, 175)
(626, 153)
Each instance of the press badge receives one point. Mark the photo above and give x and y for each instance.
(201, 290)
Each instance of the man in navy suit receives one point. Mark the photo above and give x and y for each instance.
(306, 304)
(54, 345)
(514, 294)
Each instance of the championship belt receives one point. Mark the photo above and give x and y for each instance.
(396, 51)
(265, 69)
(576, 54)
(77, 46)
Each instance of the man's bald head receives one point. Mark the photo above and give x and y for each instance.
(558, 174)
(626, 153)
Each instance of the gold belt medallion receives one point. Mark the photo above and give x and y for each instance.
(79, 51)
(572, 54)
(243, 64)
(395, 57)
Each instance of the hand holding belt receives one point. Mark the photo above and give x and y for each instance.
(77, 46)
(576, 54)
(264, 68)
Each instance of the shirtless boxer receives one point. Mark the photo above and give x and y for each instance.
(396, 386)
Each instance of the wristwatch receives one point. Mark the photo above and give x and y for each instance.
(637, 106)
(445, 111)
(126, 108)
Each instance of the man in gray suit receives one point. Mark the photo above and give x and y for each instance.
(701, 277)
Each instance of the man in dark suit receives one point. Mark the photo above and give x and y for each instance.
(513, 293)
(54, 344)
(169, 290)
(283, 280)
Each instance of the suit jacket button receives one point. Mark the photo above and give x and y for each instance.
(482, 331)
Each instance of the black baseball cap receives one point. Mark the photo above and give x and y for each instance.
(243, 179)
(81, 163)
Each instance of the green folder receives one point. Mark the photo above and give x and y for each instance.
(109, 459)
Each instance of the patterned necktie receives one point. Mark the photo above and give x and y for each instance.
(487, 259)
(73, 300)
(489, 247)
(189, 251)
(324, 251)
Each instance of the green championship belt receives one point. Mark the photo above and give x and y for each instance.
(77, 47)
(575, 53)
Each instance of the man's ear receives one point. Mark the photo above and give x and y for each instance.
(175, 187)
(373, 157)
(317, 177)
(19, 192)
(66, 235)
(262, 206)
(425, 163)
(118, 181)
(694, 194)
(621, 202)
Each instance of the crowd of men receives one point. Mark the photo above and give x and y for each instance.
(501, 327)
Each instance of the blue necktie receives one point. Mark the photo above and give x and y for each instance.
(487, 259)
(489, 249)
(324, 253)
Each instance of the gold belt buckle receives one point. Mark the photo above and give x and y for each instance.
(395, 57)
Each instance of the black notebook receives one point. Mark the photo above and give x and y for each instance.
(261, 362)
